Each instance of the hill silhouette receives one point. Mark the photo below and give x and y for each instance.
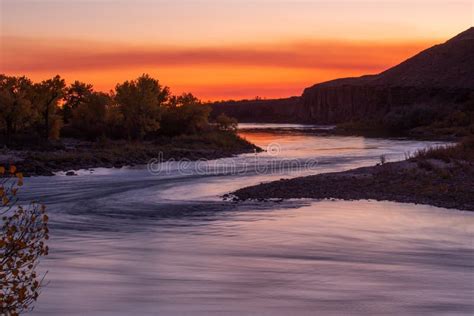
(450, 64)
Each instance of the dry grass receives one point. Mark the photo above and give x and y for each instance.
(462, 151)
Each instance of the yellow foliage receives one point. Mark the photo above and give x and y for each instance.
(23, 234)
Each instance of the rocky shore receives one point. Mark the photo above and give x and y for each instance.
(70, 155)
(443, 183)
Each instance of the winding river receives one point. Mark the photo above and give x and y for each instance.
(161, 241)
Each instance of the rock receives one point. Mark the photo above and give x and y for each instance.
(71, 173)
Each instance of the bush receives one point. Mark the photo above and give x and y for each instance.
(22, 243)
(406, 118)
(226, 123)
(462, 151)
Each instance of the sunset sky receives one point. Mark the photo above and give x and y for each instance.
(220, 49)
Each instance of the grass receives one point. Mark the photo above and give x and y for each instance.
(462, 151)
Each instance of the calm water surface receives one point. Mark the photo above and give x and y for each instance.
(127, 242)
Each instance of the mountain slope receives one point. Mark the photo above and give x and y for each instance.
(442, 75)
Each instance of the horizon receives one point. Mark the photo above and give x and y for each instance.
(217, 61)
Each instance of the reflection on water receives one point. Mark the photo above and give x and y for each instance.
(125, 242)
(283, 127)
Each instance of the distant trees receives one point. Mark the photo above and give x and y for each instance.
(136, 109)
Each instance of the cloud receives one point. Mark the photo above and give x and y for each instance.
(20, 55)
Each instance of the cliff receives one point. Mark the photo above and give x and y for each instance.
(442, 74)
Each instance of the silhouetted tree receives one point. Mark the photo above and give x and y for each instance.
(47, 95)
(183, 99)
(75, 94)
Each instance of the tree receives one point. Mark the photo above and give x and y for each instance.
(184, 114)
(90, 116)
(194, 117)
(75, 94)
(226, 123)
(139, 102)
(15, 106)
(22, 242)
(47, 94)
(114, 122)
(183, 99)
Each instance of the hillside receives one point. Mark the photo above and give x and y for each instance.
(448, 65)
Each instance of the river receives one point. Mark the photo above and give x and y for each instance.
(161, 241)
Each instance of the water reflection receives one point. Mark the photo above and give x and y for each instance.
(326, 257)
(127, 242)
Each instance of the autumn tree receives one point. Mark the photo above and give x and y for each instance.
(24, 231)
(76, 94)
(184, 114)
(114, 123)
(47, 95)
(15, 104)
(139, 102)
(90, 116)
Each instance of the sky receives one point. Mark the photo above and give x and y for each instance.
(220, 49)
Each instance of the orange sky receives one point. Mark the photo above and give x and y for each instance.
(220, 49)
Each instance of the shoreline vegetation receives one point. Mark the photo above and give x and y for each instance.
(71, 155)
(48, 126)
(442, 177)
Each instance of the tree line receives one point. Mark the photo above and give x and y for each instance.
(135, 110)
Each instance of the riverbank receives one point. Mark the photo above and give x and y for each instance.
(441, 177)
(71, 155)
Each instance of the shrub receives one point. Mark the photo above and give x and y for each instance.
(226, 123)
(462, 151)
(22, 243)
